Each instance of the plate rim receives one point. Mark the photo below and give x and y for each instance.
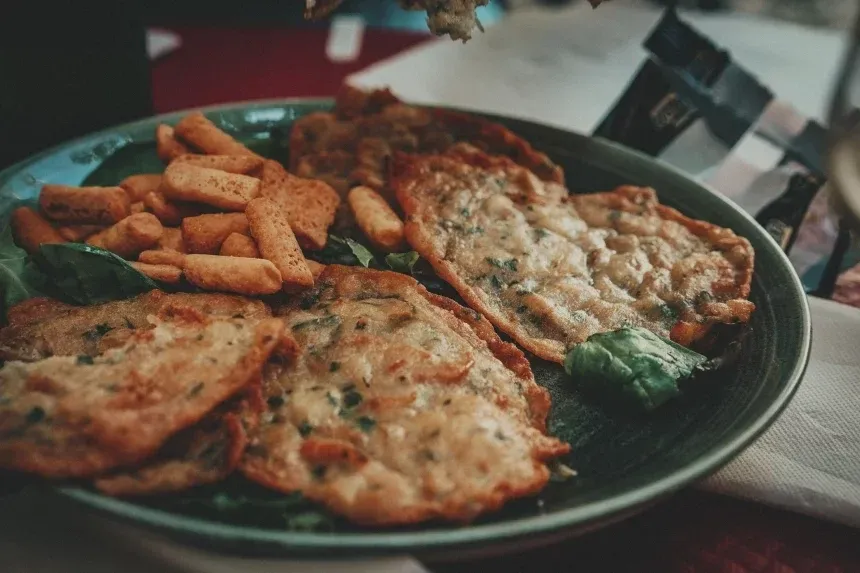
(453, 538)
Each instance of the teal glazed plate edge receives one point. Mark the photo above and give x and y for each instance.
(648, 465)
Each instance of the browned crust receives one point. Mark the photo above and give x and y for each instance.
(501, 140)
(407, 168)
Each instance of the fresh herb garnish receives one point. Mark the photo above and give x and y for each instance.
(275, 401)
(365, 423)
(310, 521)
(632, 365)
(305, 429)
(19, 278)
(35, 415)
(84, 359)
(334, 366)
(351, 399)
(496, 282)
(83, 274)
(95, 334)
(324, 321)
(509, 264)
(402, 262)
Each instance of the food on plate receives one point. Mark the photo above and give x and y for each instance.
(39, 328)
(198, 131)
(77, 233)
(204, 234)
(130, 236)
(162, 257)
(632, 365)
(352, 145)
(376, 219)
(77, 416)
(139, 186)
(100, 205)
(551, 269)
(239, 164)
(168, 274)
(402, 407)
(277, 243)
(385, 403)
(172, 240)
(189, 182)
(252, 277)
(167, 146)
(206, 452)
(31, 230)
(310, 205)
(238, 245)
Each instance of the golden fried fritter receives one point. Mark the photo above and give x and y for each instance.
(353, 144)
(43, 327)
(403, 406)
(551, 269)
(78, 416)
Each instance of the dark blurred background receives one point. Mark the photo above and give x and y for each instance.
(69, 69)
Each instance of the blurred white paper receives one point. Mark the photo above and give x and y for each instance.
(159, 43)
(565, 67)
(809, 460)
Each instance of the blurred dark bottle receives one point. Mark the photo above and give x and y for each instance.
(69, 68)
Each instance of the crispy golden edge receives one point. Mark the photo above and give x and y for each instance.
(234, 420)
(408, 168)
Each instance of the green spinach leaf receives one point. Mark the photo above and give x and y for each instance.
(19, 279)
(344, 251)
(632, 365)
(83, 274)
(402, 262)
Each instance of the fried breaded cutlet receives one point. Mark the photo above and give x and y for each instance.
(551, 269)
(353, 144)
(78, 416)
(43, 327)
(403, 406)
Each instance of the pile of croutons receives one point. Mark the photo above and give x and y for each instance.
(220, 216)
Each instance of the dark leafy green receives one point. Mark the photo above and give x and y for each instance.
(361, 253)
(19, 279)
(632, 365)
(402, 262)
(344, 251)
(82, 274)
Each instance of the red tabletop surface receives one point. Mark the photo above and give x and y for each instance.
(692, 532)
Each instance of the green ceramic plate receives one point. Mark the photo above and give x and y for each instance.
(624, 462)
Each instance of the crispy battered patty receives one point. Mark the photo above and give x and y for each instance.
(551, 269)
(43, 327)
(77, 416)
(402, 407)
(353, 144)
